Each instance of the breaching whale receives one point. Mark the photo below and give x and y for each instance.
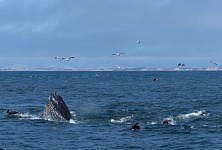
(56, 109)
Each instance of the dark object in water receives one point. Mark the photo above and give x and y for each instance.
(167, 121)
(156, 79)
(135, 126)
(56, 109)
(12, 112)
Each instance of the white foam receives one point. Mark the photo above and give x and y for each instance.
(193, 114)
(73, 113)
(28, 116)
(152, 122)
(121, 120)
(73, 121)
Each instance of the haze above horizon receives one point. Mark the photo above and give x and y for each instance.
(152, 34)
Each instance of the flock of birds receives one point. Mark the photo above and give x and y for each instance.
(121, 54)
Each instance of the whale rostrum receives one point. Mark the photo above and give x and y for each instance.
(56, 109)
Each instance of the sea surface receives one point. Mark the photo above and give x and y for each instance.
(104, 106)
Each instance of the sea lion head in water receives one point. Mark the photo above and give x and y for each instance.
(12, 112)
(135, 126)
(167, 121)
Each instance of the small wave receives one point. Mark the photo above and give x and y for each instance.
(152, 122)
(121, 120)
(193, 114)
(28, 116)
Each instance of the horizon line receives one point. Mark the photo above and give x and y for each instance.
(112, 69)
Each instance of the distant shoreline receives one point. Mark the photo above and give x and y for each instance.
(111, 69)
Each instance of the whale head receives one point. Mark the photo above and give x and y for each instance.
(56, 109)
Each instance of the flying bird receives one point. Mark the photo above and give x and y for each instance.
(213, 63)
(139, 42)
(63, 58)
(119, 54)
(118, 67)
(67, 59)
(59, 58)
(180, 64)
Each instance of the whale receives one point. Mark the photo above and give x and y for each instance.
(56, 109)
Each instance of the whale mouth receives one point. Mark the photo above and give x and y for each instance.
(56, 109)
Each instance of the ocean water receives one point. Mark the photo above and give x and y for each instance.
(104, 106)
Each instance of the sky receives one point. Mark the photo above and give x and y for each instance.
(34, 32)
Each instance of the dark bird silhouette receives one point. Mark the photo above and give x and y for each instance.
(213, 63)
(180, 64)
(67, 59)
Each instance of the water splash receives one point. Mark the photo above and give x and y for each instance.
(170, 121)
(193, 114)
(121, 120)
(28, 116)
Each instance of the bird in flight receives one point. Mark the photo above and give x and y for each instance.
(119, 54)
(139, 42)
(118, 67)
(63, 58)
(213, 63)
(180, 64)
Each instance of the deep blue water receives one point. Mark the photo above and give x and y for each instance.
(104, 107)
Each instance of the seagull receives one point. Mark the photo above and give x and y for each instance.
(139, 42)
(63, 58)
(59, 58)
(119, 54)
(119, 67)
(214, 63)
(180, 65)
(67, 59)
(96, 74)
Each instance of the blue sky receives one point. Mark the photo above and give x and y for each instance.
(33, 32)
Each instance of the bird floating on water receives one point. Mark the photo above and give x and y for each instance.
(63, 58)
(156, 79)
